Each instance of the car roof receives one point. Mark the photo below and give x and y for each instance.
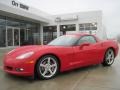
(83, 34)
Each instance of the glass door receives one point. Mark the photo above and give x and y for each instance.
(16, 36)
(13, 36)
(9, 36)
(22, 36)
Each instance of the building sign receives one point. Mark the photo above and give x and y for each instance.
(59, 19)
(20, 5)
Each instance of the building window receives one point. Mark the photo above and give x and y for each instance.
(12, 22)
(2, 36)
(14, 32)
(2, 31)
(2, 20)
(88, 26)
(64, 29)
(49, 33)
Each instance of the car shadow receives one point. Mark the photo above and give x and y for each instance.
(80, 70)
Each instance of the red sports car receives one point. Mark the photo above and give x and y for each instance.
(64, 53)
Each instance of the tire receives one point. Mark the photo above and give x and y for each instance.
(109, 57)
(47, 67)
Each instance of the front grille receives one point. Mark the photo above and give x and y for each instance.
(9, 68)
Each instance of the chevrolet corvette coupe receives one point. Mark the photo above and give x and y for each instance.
(63, 53)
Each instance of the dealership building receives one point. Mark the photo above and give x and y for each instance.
(20, 24)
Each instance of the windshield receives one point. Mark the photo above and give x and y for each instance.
(66, 40)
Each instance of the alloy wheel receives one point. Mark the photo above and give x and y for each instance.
(48, 67)
(110, 56)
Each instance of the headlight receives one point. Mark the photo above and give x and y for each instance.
(25, 55)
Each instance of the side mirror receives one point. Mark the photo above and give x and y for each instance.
(84, 44)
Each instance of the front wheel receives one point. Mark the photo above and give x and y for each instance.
(47, 67)
(109, 57)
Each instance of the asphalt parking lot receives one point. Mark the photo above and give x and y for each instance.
(89, 78)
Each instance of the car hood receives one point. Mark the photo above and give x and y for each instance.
(21, 50)
(25, 49)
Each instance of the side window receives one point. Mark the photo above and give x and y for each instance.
(92, 39)
(89, 39)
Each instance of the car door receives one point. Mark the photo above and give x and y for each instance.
(85, 51)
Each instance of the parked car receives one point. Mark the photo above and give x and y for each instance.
(64, 53)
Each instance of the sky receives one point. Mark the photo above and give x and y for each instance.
(110, 9)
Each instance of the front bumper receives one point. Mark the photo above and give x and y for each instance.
(13, 66)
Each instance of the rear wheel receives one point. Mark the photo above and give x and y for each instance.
(47, 67)
(109, 57)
